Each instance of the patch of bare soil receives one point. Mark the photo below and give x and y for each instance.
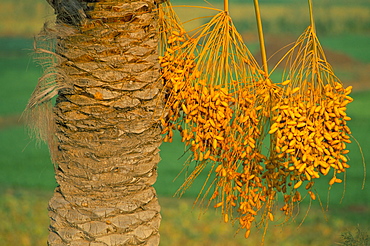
(10, 120)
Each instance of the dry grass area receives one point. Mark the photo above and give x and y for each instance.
(23, 18)
(24, 223)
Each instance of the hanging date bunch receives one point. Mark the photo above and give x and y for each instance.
(225, 107)
(224, 124)
(309, 132)
(217, 108)
(177, 67)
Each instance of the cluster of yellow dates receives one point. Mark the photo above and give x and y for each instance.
(207, 114)
(239, 186)
(224, 126)
(310, 138)
(176, 69)
(220, 127)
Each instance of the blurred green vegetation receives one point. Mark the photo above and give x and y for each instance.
(27, 179)
(279, 16)
(287, 16)
(355, 45)
(361, 238)
(19, 74)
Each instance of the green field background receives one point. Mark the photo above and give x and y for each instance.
(26, 173)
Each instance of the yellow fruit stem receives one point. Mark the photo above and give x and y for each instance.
(261, 37)
(311, 15)
(226, 6)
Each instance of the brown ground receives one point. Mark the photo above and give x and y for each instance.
(10, 120)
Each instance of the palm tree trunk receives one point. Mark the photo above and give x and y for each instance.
(106, 124)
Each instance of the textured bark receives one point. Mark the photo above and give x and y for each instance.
(107, 127)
